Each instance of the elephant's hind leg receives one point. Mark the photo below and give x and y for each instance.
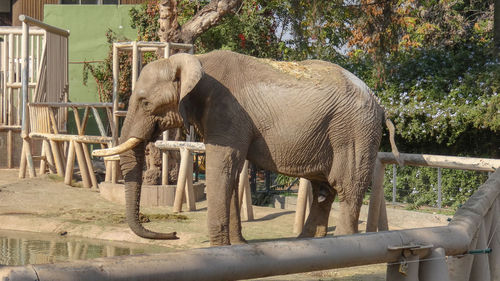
(317, 221)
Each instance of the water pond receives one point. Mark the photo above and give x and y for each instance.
(22, 248)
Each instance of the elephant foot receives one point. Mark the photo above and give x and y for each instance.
(306, 233)
(318, 231)
(238, 241)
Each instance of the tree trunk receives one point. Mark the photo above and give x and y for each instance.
(208, 16)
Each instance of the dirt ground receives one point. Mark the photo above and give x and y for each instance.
(46, 205)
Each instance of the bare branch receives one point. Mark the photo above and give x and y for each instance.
(207, 17)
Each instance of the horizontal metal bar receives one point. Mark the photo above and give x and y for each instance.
(17, 30)
(441, 161)
(49, 28)
(249, 261)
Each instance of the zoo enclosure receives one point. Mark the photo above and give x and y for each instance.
(10, 83)
(459, 251)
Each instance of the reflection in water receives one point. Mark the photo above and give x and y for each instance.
(19, 248)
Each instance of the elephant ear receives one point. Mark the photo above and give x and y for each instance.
(188, 71)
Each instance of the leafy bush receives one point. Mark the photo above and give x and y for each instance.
(418, 186)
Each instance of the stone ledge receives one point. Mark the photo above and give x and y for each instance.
(151, 195)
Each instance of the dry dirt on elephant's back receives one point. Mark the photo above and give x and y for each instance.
(45, 204)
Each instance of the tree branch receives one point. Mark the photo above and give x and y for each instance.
(207, 17)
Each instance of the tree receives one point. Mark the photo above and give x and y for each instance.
(207, 16)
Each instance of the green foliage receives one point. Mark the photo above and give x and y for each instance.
(250, 31)
(284, 180)
(418, 186)
(145, 19)
(443, 100)
(430, 63)
(103, 73)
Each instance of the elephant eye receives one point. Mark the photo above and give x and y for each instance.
(146, 105)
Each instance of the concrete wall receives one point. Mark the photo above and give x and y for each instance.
(151, 195)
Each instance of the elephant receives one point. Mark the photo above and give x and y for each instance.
(310, 119)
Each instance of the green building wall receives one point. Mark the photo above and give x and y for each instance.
(88, 25)
(87, 41)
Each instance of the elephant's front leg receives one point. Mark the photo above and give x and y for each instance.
(235, 235)
(223, 164)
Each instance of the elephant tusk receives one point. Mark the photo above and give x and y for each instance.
(129, 144)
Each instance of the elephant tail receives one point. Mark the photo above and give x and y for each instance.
(394, 148)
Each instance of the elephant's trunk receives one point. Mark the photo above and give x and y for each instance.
(131, 163)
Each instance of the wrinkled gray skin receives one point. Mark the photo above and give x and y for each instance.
(320, 123)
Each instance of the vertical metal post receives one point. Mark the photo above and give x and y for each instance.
(394, 183)
(439, 188)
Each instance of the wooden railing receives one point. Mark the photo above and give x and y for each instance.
(43, 126)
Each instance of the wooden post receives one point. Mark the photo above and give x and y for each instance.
(82, 164)
(241, 183)
(43, 160)
(10, 148)
(181, 180)
(300, 210)
(22, 165)
(29, 158)
(190, 199)
(164, 162)
(114, 121)
(376, 197)
(244, 195)
(383, 224)
(135, 70)
(49, 157)
(70, 164)
(90, 168)
(57, 157)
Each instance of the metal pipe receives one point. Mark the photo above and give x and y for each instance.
(439, 189)
(249, 261)
(49, 28)
(451, 162)
(394, 178)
